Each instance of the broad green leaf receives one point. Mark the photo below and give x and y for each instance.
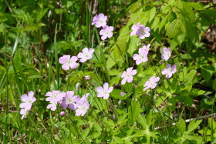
(193, 125)
(181, 125)
(133, 111)
(133, 45)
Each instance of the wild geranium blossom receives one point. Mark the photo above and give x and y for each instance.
(86, 54)
(140, 30)
(70, 100)
(165, 53)
(142, 56)
(68, 62)
(169, 70)
(106, 32)
(151, 83)
(99, 20)
(54, 97)
(82, 106)
(128, 75)
(104, 91)
(27, 101)
(62, 113)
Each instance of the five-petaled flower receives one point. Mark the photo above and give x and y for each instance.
(54, 97)
(165, 53)
(128, 75)
(169, 70)
(106, 32)
(151, 83)
(142, 56)
(68, 62)
(27, 101)
(99, 20)
(104, 91)
(82, 106)
(140, 30)
(86, 54)
(70, 100)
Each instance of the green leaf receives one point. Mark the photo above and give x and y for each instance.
(190, 76)
(193, 125)
(207, 73)
(181, 125)
(133, 111)
(174, 28)
(133, 44)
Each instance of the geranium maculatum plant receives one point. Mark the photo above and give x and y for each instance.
(118, 72)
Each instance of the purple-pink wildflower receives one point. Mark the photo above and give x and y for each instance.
(122, 93)
(151, 83)
(142, 56)
(140, 30)
(82, 106)
(27, 101)
(68, 62)
(169, 70)
(62, 113)
(69, 100)
(54, 97)
(165, 53)
(99, 20)
(86, 54)
(106, 32)
(104, 91)
(127, 76)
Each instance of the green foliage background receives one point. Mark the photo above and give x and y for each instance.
(35, 33)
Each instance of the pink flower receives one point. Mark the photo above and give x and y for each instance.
(27, 101)
(54, 97)
(99, 20)
(70, 100)
(82, 106)
(140, 30)
(68, 62)
(52, 106)
(128, 75)
(106, 32)
(62, 113)
(151, 83)
(143, 55)
(165, 53)
(86, 54)
(104, 91)
(169, 70)
(122, 93)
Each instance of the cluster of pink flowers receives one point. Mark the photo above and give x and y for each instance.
(68, 61)
(127, 76)
(68, 100)
(100, 21)
(80, 104)
(27, 101)
(55, 97)
(170, 69)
